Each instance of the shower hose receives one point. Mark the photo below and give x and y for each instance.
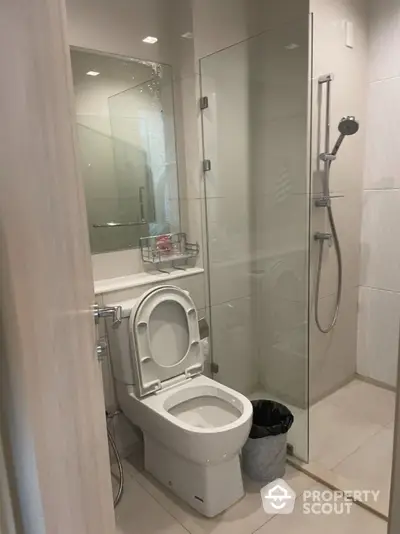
(114, 448)
(336, 244)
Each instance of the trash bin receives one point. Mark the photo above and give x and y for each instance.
(264, 453)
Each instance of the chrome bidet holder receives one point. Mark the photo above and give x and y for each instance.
(115, 312)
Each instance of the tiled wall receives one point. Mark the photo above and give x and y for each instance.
(333, 355)
(379, 306)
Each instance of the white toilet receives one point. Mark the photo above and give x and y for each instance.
(193, 427)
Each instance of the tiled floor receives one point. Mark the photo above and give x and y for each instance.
(149, 508)
(351, 434)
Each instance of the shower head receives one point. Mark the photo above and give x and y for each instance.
(347, 126)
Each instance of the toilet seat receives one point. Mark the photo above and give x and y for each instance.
(165, 339)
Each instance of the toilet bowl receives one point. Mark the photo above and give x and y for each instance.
(193, 427)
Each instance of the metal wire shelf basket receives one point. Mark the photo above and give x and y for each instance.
(168, 248)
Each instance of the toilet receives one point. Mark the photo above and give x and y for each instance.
(193, 427)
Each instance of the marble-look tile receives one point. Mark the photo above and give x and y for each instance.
(347, 213)
(382, 157)
(139, 512)
(366, 401)
(335, 433)
(358, 520)
(371, 465)
(233, 345)
(115, 264)
(384, 38)
(381, 219)
(218, 25)
(244, 517)
(378, 335)
(229, 248)
(333, 356)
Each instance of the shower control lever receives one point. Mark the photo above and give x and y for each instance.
(115, 312)
(323, 236)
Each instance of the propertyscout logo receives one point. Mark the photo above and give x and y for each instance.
(279, 498)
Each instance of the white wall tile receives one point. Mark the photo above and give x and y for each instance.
(378, 334)
(282, 224)
(279, 168)
(347, 213)
(333, 355)
(382, 157)
(380, 253)
(226, 122)
(222, 23)
(384, 38)
(194, 284)
(115, 264)
(229, 248)
(233, 344)
(282, 337)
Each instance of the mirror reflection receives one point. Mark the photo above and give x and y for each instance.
(126, 136)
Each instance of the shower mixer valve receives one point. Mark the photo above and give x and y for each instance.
(323, 236)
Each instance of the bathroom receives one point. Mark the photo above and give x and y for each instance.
(227, 112)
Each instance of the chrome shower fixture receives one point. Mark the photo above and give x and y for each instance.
(347, 126)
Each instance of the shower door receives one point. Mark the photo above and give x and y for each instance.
(255, 136)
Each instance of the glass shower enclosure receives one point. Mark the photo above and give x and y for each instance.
(255, 138)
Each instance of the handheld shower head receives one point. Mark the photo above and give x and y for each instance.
(347, 126)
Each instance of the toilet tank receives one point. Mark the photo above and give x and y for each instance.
(118, 342)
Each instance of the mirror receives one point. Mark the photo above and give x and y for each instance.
(126, 137)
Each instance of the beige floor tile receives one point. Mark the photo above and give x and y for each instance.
(370, 466)
(336, 432)
(359, 521)
(138, 512)
(243, 518)
(370, 402)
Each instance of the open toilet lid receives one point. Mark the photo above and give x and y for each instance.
(165, 338)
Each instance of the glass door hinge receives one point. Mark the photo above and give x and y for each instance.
(214, 367)
(206, 165)
(204, 102)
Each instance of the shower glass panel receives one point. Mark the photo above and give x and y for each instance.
(255, 133)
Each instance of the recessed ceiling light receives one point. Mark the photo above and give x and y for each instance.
(150, 39)
(187, 35)
(292, 46)
(92, 73)
(133, 77)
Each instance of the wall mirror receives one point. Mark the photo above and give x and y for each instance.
(126, 137)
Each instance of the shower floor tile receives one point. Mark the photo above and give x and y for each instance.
(148, 507)
(351, 434)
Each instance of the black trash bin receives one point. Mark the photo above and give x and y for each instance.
(264, 453)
